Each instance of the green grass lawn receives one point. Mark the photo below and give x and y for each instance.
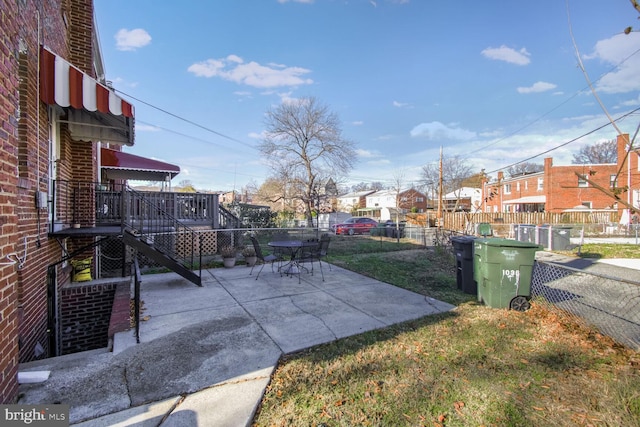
(472, 366)
(607, 250)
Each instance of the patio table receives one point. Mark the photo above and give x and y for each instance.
(293, 247)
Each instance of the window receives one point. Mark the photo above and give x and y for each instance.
(419, 199)
(582, 182)
(613, 182)
(507, 189)
(586, 204)
(526, 185)
(540, 184)
(518, 186)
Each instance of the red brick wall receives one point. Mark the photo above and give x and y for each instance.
(80, 35)
(86, 314)
(44, 19)
(411, 196)
(563, 192)
(65, 27)
(8, 181)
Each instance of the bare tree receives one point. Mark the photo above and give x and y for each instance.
(598, 153)
(304, 138)
(454, 172)
(524, 168)
(186, 186)
(363, 186)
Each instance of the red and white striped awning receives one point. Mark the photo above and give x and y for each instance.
(102, 115)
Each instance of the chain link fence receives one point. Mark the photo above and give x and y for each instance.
(609, 304)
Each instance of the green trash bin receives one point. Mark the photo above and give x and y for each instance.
(503, 270)
(379, 230)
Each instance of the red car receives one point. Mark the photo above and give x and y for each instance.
(355, 225)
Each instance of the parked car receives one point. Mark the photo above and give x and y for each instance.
(355, 225)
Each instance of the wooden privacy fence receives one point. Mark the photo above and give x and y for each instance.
(462, 220)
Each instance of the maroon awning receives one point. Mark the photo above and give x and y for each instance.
(120, 165)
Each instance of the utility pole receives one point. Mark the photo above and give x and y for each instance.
(439, 220)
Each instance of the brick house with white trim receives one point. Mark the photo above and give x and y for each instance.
(53, 86)
(559, 188)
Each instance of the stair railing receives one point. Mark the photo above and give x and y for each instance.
(227, 219)
(152, 224)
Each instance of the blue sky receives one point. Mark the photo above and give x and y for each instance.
(495, 82)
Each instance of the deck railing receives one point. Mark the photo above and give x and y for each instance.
(95, 204)
(157, 227)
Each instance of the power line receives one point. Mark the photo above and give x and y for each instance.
(566, 143)
(517, 131)
(195, 138)
(191, 122)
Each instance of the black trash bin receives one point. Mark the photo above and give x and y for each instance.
(395, 231)
(391, 228)
(463, 248)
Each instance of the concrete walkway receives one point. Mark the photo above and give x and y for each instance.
(207, 353)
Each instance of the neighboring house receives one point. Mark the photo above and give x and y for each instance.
(352, 201)
(523, 193)
(467, 199)
(412, 200)
(562, 188)
(228, 197)
(390, 205)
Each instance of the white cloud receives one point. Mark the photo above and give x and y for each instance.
(132, 39)
(379, 162)
(618, 51)
(357, 123)
(537, 87)
(367, 154)
(233, 68)
(146, 128)
(440, 131)
(256, 135)
(400, 104)
(632, 102)
(507, 54)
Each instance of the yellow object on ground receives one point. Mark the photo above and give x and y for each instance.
(81, 270)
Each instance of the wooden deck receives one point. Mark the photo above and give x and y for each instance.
(103, 230)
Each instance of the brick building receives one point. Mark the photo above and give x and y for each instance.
(558, 188)
(52, 87)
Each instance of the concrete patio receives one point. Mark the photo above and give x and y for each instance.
(207, 353)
